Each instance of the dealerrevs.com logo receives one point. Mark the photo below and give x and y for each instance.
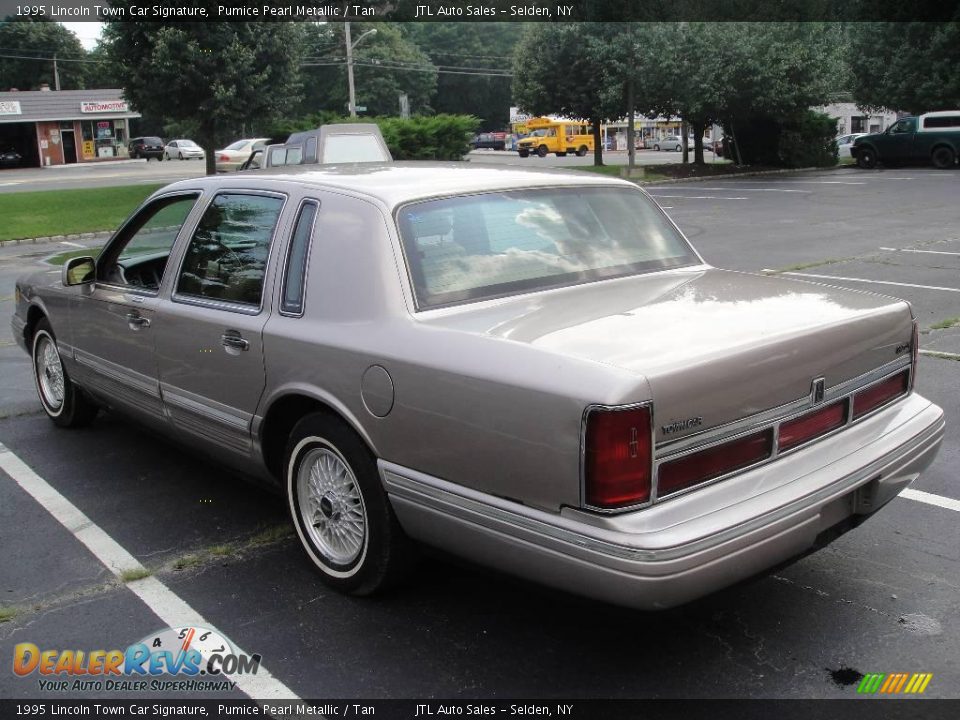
(175, 659)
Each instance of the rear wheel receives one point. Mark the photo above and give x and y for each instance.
(542, 151)
(866, 158)
(656, 147)
(581, 151)
(64, 402)
(340, 510)
(679, 148)
(943, 158)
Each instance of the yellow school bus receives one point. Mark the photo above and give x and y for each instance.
(556, 136)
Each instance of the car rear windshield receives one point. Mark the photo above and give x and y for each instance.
(489, 245)
(152, 141)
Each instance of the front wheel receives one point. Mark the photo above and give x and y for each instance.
(657, 148)
(866, 158)
(64, 403)
(524, 153)
(340, 510)
(542, 151)
(943, 158)
(679, 148)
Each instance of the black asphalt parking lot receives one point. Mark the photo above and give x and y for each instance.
(883, 598)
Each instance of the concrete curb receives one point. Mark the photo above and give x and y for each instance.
(727, 176)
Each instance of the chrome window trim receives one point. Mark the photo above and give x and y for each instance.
(583, 456)
(306, 260)
(212, 303)
(850, 389)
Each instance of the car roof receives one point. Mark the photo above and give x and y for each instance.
(395, 183)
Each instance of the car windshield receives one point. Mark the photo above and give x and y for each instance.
(238, 145)
(187, 143)
(483, 246)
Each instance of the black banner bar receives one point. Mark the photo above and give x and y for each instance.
(607, 11)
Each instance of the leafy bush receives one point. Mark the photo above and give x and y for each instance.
(435, 137)
(808, 141)
(801, 140)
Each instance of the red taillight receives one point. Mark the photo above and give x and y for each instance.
(713, 462)
(224, 158)
(883, 392)
(617, 458)
(813, 424)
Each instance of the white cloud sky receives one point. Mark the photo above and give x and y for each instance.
(87, 32)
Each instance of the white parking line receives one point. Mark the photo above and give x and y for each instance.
(928, 252)
(822, 182)
(865, 280)
(165, 604)
(700, 197)
(931, 499)
(741, 189)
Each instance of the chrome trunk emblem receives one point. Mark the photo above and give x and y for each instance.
(817, 390)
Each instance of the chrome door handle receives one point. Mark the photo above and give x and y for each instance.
(231, 340)
(137, 321)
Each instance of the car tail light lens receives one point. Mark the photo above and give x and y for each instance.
(873, 397)
(617, 458)
(712, 463)
(224, 158)
(813, 424)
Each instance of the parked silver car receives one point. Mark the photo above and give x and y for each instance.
(532, 370)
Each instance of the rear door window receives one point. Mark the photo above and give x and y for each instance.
(227, 256)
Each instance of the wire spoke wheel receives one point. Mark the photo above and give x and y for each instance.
(331, 505)
(49, 373)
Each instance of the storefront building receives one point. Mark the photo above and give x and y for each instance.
(59, 127)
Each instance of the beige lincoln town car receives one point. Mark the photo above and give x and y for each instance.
(532, 370)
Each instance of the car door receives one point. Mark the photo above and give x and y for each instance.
(210, 346)
(113, 319)
(897, 142)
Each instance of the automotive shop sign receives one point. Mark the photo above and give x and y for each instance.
(102, 107)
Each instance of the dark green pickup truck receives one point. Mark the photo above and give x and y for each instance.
(933, 137)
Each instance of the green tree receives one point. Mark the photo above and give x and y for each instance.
(910, 66)
(385, 65)
(559, 69)
(36, 41)
(218, 76)
(471, 56)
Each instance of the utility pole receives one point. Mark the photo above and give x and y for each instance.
(56, 74)
(352, 100)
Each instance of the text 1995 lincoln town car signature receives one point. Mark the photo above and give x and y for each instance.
(532, 370)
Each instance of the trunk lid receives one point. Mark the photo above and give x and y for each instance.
(714, 345)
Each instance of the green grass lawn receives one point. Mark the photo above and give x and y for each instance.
(61, 212)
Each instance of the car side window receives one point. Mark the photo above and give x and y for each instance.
(294, 276)
(227, 255)
(138, 256)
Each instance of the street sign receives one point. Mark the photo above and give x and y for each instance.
(361, 108)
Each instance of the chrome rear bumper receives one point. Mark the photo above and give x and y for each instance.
(692, 545)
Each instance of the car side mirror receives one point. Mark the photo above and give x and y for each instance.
(79, 271)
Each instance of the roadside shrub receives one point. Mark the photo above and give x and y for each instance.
(801, 140)
(808, 141)
(434, 137)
